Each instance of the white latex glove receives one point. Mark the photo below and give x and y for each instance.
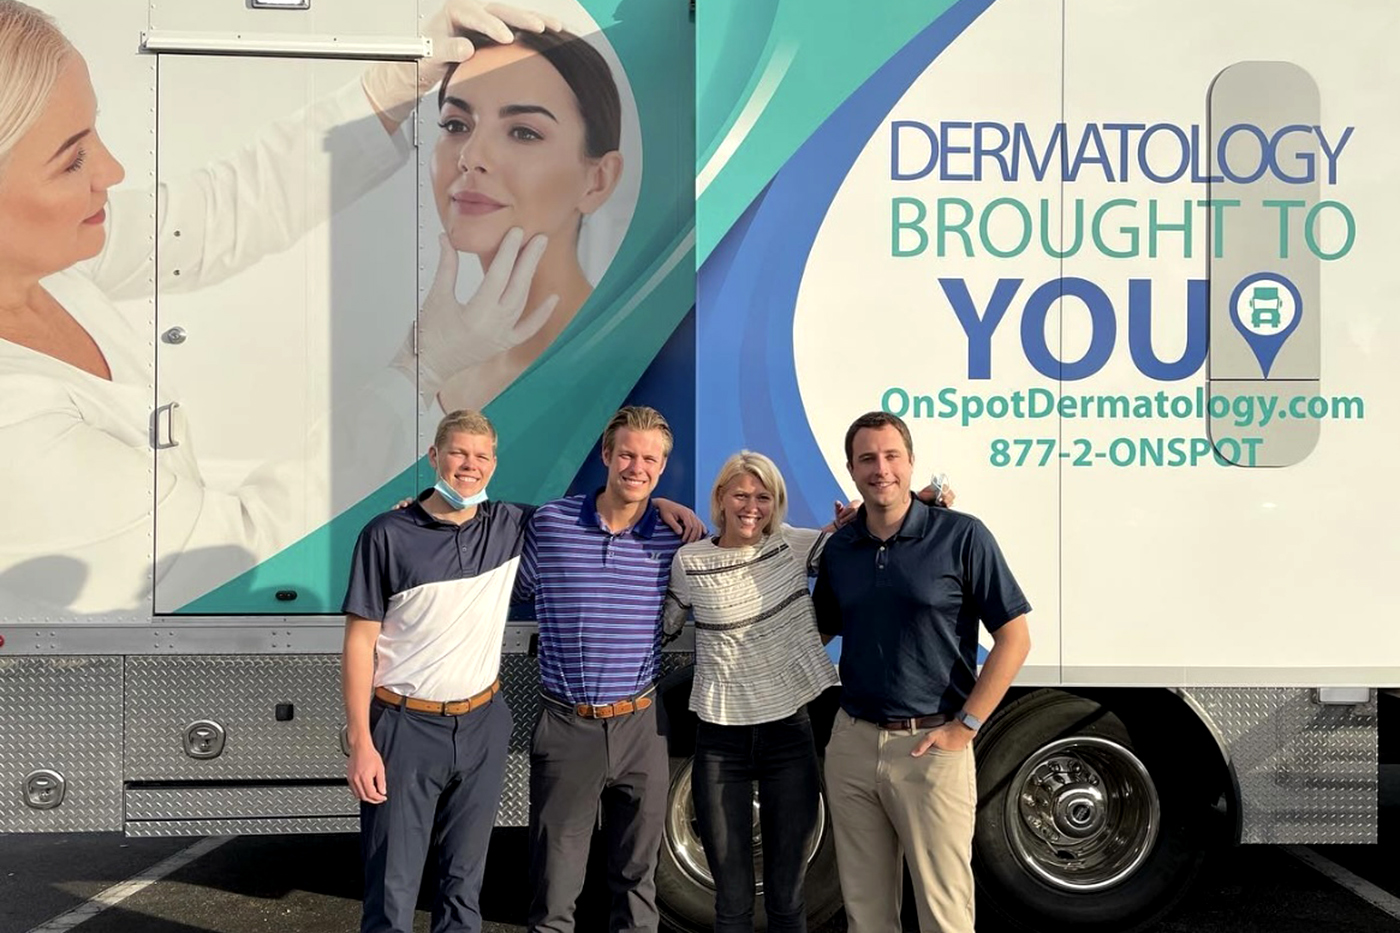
(395, 87)
(453, 335)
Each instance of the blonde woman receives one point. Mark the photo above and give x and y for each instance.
(758, 661)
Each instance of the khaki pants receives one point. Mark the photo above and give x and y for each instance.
(886, 804)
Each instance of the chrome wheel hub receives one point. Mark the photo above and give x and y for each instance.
(683, 836)
(1083, 813)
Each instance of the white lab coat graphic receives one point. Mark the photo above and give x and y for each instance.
(78, 476)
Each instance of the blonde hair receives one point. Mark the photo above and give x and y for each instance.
(466, 421)
(32, 53)
(761, 469)
(637, 418)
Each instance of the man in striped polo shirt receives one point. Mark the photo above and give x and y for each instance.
(597, 567)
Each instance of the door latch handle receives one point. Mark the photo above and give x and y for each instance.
(163, 429)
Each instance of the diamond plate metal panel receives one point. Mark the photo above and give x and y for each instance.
(330, 824)
(1307, 773)
(515, 793)
(164, 694)
(64, 714)
(520, 682)
(213, 803)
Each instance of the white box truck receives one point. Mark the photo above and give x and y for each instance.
(1121, 265)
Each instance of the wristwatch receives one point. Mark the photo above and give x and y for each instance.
(969, 720)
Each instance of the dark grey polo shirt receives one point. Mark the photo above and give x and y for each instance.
(442, 592)
(907, 610)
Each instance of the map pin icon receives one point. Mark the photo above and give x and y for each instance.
(1266, 308)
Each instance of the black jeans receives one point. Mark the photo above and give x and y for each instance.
(781, 757)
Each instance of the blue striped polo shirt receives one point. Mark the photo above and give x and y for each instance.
(598, 598)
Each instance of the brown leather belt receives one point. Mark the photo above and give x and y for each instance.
(917, 722)
(438, 707)
(608, 710)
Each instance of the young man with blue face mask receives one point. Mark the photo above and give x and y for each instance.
(430, 587)
(426, 608)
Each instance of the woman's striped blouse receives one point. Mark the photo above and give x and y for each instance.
(758, 656)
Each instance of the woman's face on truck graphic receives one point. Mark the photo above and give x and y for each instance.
(512, 153)
(54, 181)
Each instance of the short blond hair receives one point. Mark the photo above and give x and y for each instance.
(637, 418)
(32, 53)
(466, 421)
(761, 469)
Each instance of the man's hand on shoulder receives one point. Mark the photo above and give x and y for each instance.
(938, 494)
(843, 513)
(421, 497)
(681, 520)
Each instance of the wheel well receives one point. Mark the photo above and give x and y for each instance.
(678, 721)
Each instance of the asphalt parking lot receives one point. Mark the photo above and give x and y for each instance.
(106, 883)
(310, 884)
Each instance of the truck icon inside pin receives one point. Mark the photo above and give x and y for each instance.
(1264, 306)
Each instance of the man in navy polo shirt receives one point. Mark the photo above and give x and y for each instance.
(905, 586)
(597, 567)
(430, 586)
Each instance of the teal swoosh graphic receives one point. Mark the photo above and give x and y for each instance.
(834, 47)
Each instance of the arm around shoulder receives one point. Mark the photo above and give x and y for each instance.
(677, 604)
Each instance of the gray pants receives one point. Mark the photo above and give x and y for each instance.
(581, 771)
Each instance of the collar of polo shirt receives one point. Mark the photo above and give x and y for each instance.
(914, 524)
(589, 517)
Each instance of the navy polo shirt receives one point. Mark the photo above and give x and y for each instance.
(907, 610)
(442, 593)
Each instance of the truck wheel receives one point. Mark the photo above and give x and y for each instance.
(1080, 824)
(685, 890)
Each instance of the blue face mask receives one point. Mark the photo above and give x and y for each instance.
(455, 499)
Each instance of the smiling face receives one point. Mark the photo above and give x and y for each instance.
(53, 184)
(512, 152)
(635, 464)
(881, 466)
(466, 461)
(747, 506)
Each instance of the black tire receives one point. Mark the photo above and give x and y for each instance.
(1033, 887)
(687, 902)
(1105, 744)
